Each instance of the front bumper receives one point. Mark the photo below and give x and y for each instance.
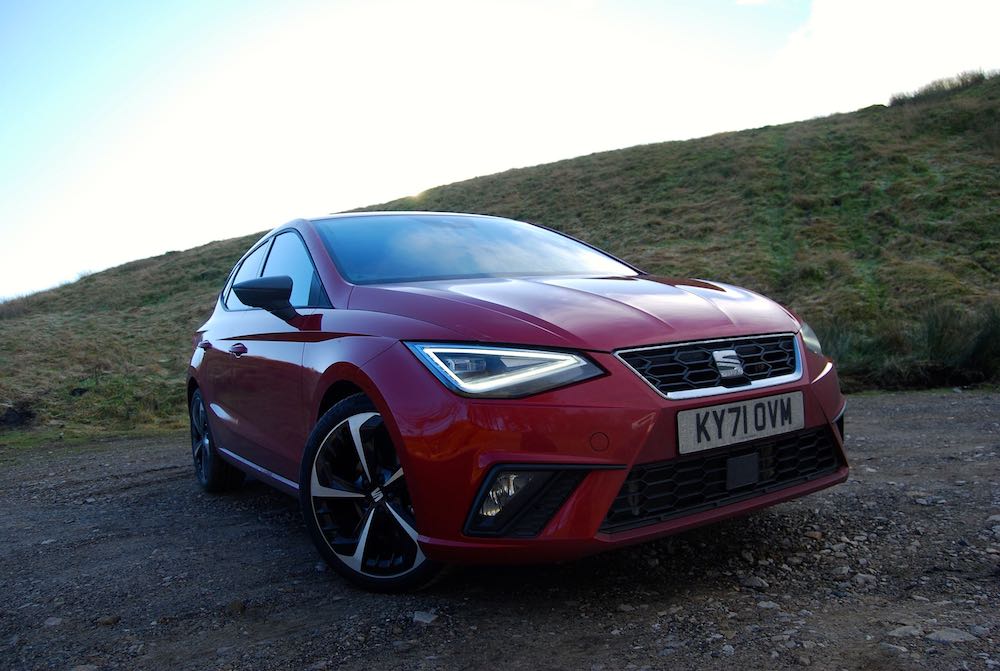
(611, 424)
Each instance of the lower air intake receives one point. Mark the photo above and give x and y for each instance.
(660, 491)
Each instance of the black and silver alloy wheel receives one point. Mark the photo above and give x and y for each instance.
(212, 472)
(356, 502)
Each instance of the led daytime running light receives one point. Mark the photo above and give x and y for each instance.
(559, 362)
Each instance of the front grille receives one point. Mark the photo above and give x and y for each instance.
(663, 490)
(688, 366)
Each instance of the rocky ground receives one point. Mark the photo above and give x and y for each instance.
(113, 559)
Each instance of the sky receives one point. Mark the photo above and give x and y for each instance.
(129, 129)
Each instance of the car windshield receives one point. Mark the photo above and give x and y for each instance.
(378, 249)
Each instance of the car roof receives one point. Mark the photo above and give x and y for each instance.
(399, 213)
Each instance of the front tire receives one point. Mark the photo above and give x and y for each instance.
(355, 501)
(213, 474)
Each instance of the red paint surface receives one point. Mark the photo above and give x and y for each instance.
(263, 404)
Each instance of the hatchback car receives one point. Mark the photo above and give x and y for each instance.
(440, 388)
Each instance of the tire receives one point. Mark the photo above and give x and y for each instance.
(213, 474)
(355, 502)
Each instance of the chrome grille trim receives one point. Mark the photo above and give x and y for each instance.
(794, 376)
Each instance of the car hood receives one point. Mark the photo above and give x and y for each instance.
(600, 314)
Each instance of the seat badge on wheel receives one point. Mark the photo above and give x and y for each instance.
(728, 362)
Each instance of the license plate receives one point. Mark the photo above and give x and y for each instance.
(731, 423)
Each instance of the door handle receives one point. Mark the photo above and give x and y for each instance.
(239, 349)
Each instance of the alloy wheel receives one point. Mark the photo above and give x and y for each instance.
(360, 500)
(200, 439)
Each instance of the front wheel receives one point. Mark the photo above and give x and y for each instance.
(355, 501)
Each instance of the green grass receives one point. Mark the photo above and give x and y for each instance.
(943, 346)
(881, 227)
(108, 352)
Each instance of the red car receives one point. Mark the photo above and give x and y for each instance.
(460, 388)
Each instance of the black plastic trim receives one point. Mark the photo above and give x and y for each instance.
(649, 508)
(558, 474)
(839, 421)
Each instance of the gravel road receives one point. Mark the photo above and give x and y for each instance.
(112, 558)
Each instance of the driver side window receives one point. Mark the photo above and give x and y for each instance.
(289, 257)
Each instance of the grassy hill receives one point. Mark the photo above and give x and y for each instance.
(882, 227)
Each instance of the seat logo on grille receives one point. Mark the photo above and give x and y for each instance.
(728, 363)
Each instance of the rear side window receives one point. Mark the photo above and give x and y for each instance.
(289, 257)
(249, 270)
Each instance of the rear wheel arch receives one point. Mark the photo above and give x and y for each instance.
(211, 471)
(192, 387)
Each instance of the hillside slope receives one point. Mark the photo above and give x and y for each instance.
(880, 226)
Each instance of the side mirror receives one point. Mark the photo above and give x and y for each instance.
(269, 293)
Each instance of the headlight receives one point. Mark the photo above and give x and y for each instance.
(502, 372)
(810, 339)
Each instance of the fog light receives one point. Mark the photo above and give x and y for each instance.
(519, 500)
(505, 487)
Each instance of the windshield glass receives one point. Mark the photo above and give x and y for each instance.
(380, 249)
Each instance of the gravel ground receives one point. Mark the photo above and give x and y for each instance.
(113, 559)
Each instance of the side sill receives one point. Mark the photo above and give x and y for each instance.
(278, 481)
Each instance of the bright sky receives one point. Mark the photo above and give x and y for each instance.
(128, 129)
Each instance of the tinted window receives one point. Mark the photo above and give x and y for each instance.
(397, 248)
(289, 257)
(248, 271)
